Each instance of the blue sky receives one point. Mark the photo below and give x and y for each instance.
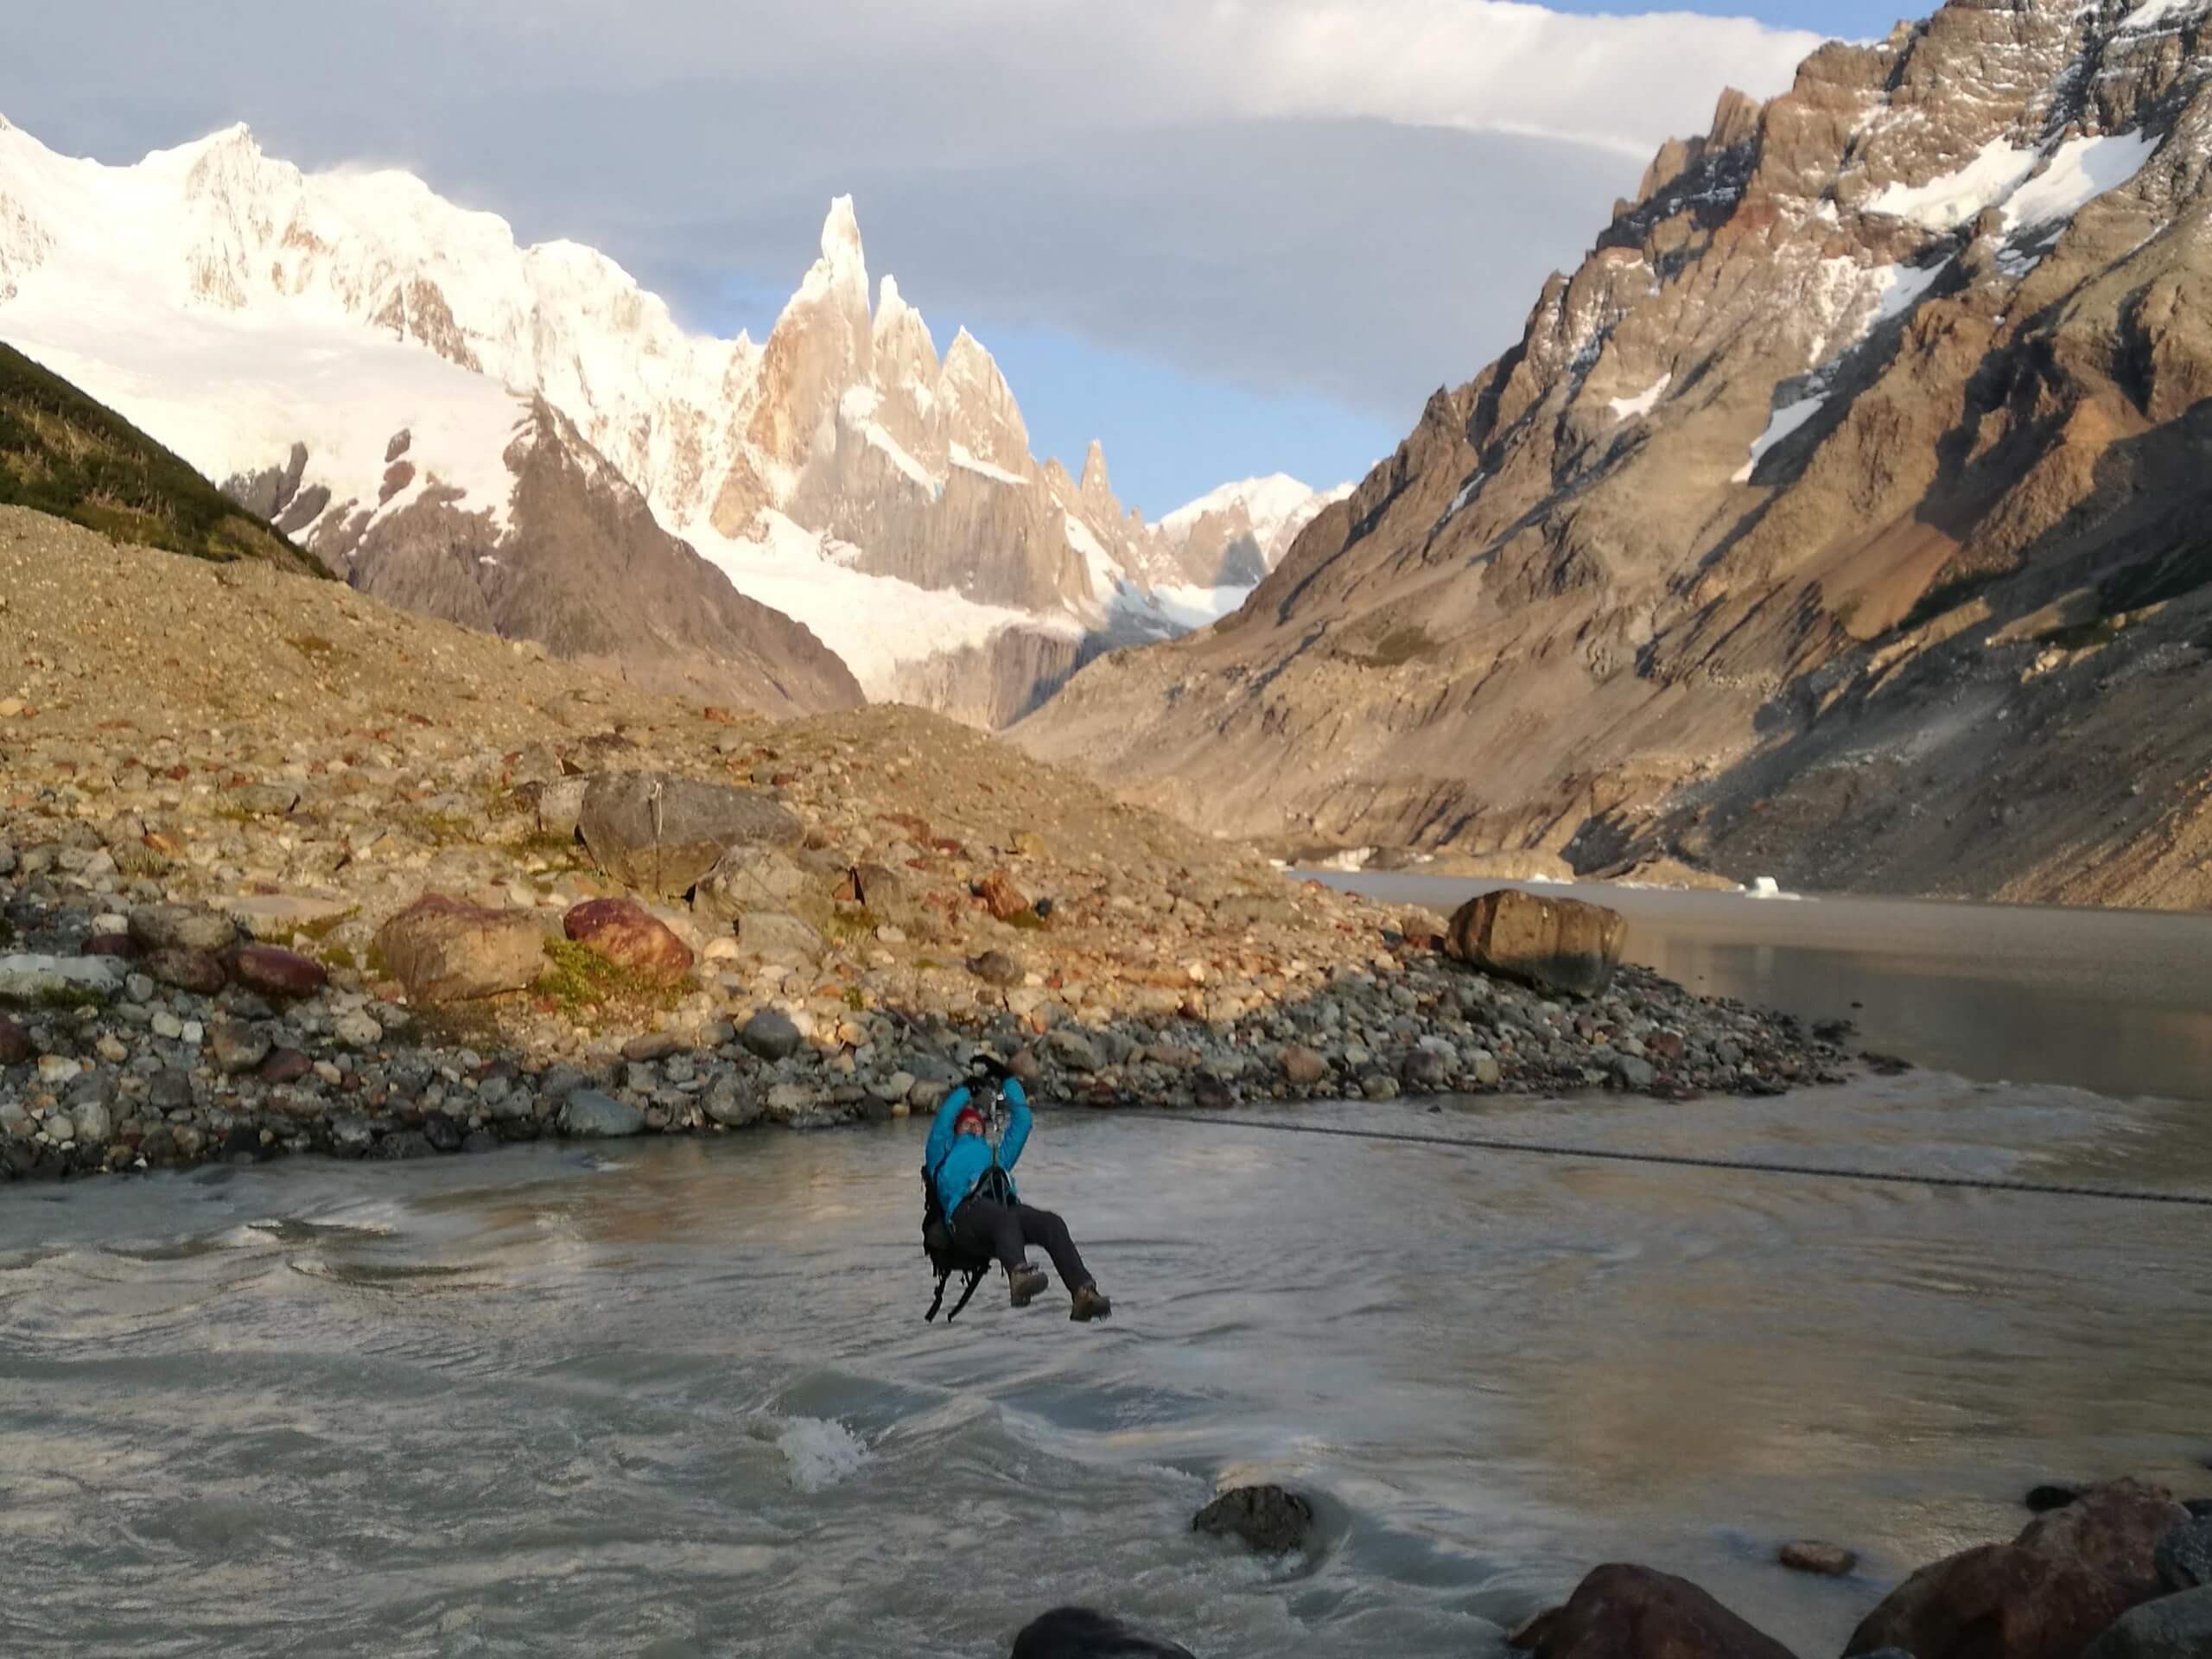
(1848, 19)
(1224, 236)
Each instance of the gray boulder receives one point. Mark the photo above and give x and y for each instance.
(29, 979)
(2183, 1558)
(774, 936)
(771, 1034)
(660, 834)
(1075, 1051)
(2172, 1627)
(731, 1104)
(747, 878)
(560, 807)
(587, 1113)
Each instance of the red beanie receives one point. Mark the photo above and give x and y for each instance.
(961, 1117)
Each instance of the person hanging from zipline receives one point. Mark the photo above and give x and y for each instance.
(979, 1215)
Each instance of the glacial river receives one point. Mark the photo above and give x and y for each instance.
(678, 1399)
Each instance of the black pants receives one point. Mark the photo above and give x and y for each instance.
(1004, 1229)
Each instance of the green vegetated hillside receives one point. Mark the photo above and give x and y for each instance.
(62, 453)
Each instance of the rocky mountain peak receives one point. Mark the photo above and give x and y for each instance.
(1856, 464)
(1096, 487)
(838, 454)
(981, 413)
(843, 267)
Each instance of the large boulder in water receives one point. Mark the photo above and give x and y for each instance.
(1556, 944)
(1620, 1611)
(661, 833)
(2046, 1595)
(1269, 1518)
(1078, 1633)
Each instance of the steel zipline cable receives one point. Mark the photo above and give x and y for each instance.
(1687, 1160)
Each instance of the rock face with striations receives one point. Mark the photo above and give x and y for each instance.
(578, 562)
(1840, 517)
(660, 835)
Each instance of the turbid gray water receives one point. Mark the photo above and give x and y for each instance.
(2116, 1001)
(677, 1398)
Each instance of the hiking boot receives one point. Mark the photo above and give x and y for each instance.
(1026, 1281)
(1090, 1303)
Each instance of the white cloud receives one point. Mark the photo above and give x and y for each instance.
(1353, 198)
(1493, 66)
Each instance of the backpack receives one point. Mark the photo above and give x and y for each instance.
(947, 1256)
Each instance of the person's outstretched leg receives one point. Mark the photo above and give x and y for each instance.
(1045, 1228)
(985, 1225)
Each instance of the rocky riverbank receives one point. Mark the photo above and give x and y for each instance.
(282, 870)
(2117, 1571)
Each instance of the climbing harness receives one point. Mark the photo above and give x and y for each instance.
(1687, 1160)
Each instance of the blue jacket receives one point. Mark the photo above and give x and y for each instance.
(961, 1159)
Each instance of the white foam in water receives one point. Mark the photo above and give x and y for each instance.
(1766, 887)
(820, 1451)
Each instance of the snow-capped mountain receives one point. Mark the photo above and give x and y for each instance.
(1233, 536)
(1841, 515)
(369, 363)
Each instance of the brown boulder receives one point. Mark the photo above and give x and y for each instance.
(1303, 1065)
(1556, 944)
(1999, 1601)
(276, 971)
(1631, 1613)
(2044, 1596)
(15, 1046)
(622, 931)
(189, 970)
(1000, 895)
(285, 1065)
(1810, 1555)
(2112, 1529)
(444, 950)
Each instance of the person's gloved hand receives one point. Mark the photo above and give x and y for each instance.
(991, 1065)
